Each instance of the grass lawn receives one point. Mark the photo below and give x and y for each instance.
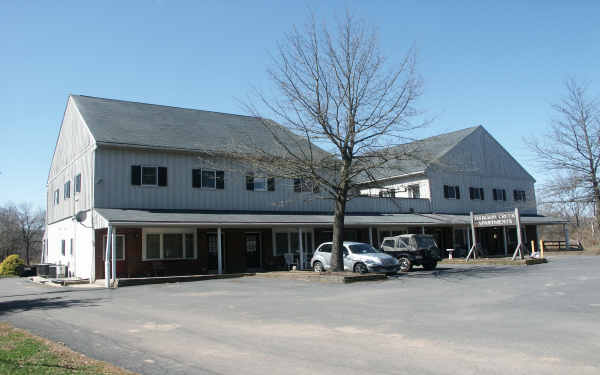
(23, 353)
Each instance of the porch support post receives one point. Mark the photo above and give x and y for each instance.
(301, 248)
(219, 252)
(107, 257)
(566, 230)
(505, 242)
(371, 236)
(468, 237)
(114, 255)
(423, 229)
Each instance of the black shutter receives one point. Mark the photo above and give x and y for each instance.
(515, 195)
(446, 193)
(270, 184)
(481, 196)
(503, 194)
(220, 180)
(457, 192)
(297, 185)
(471, 193)
(162, 176)
(136, 175)
(495, 194)
(196, 178)
(250, 183)
(523, 196)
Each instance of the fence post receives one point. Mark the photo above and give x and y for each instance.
(541, 249)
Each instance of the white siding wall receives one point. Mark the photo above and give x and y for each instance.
(79, 262)
(480, 161)
(113, 188)
(73, 155)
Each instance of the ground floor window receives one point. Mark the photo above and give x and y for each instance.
(169, 244)
(120, 253)
(287, 244)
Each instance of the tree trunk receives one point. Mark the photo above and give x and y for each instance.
(337, 253)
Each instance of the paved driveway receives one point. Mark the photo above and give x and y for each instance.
(457, 320)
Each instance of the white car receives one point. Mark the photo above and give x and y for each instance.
(358, 257)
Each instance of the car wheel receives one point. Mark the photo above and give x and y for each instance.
(430, 265)
(317, 266)
(360, 268)
(405, 264)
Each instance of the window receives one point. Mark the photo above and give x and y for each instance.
(325, 248)
(208, 179)
(302, 185)
(403, 242)
(499, 194)
(387, 193)
(120, 253)
(476, 193)
(56, 196)
(62, 247)
(414, 191)
(71, 248)
(388, 243)
(519, 195)
(67, 190)
(170, 245)
(260, 183)
(78, 183)
(148, 175)
(451, 192)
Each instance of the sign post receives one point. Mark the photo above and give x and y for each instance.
(496, 219)
(519, 249)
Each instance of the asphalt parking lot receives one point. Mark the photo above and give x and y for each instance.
(542, 319)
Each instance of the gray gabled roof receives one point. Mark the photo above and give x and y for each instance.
(420, 154)
(125, 123)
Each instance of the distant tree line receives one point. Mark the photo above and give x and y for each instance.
(21, 231)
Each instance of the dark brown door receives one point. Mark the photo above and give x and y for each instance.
(252, 250)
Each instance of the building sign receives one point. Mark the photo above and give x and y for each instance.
(494, 219)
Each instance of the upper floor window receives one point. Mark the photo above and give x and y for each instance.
(78, 183)
(67, 190)
(476, 193)
(260, 183)
(499, 194)
(56, 196)
(208, 179)
(302, 185)
(148, 175)
(387, 193)
(451, 192)
(519, 195)
(63, 245)
(414, 191)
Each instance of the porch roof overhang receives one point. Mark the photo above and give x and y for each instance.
(137, 217)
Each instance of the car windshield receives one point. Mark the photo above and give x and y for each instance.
(362, 248)
(425, 242)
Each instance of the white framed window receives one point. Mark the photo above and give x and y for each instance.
(78, 183)
(209, 179)
(519, 195)
(67, 190)
(149, 175)
(56, 197)
(63, 246)
(71, 247)
(120, 254)
(451, 192)
(169, 244)
(302, 185)
(476, 193)
(260, 184)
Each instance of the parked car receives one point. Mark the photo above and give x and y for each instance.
(358, 257)
(412, 250)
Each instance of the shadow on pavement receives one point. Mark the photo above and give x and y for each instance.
(44, 304)
(460, 273)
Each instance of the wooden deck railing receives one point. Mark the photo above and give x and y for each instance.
(561, 245)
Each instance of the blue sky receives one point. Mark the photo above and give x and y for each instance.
(495, 63)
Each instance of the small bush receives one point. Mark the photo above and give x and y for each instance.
(12, 266)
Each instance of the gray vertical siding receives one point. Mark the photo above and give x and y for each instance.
(73, 155)
(113, 188)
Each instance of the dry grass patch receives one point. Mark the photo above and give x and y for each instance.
(24, 353)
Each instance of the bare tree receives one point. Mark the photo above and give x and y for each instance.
(341, 106)
(21, 230)
(571, 149)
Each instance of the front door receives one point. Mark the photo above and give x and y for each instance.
(252, 250)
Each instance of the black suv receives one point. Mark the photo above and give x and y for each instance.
(412, 250)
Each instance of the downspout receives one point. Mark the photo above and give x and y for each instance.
(114, 256)
(106, 257)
